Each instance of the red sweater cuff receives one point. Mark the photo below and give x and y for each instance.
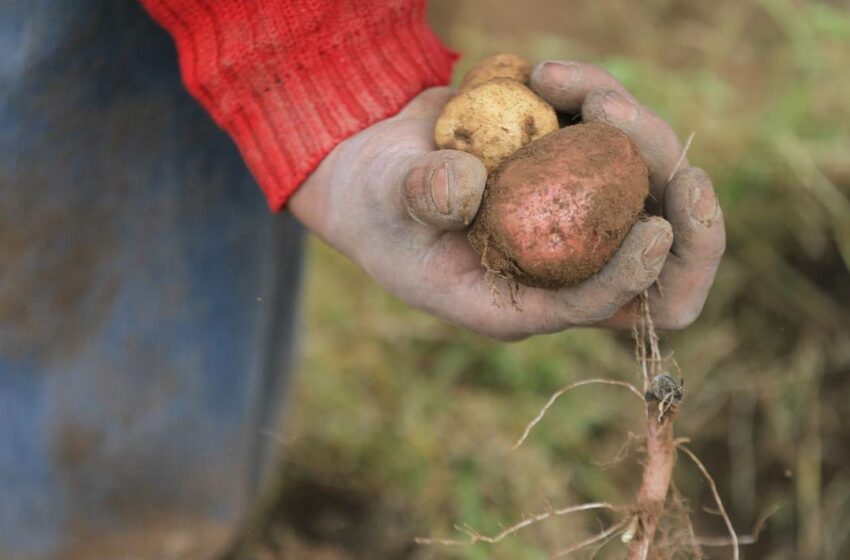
(290, 79)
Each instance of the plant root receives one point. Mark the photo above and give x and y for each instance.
(655, 482)
(567, 389)
(722, 510)
(476, 537)
(638, 523)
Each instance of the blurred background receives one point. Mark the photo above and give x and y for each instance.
(401, 426)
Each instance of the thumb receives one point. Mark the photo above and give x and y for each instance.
(443, 189)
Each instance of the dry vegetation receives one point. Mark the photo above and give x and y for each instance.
(401, 425)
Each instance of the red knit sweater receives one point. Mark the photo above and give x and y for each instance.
(289, 79)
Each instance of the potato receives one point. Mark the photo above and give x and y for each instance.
(556, 211)
(510, 66)
(492, 120)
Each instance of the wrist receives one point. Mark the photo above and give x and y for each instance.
(309, 204)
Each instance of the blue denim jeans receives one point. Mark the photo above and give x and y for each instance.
(147, 296)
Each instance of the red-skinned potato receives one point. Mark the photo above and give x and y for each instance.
(557, 209)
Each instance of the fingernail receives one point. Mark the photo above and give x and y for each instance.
(618, 108)
(703, 205)
(657, 250)
(440, 188)
(564, 74)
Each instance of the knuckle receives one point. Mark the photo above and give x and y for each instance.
(628, 286)
(589, 311)
(599, 76)
(637, 275)
(595, 98)
(613, 106)
(696, 174)
(618, 108)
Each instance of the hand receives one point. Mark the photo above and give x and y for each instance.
(687, 201)
(399, 209)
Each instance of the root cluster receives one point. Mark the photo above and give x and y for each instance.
(657, 524)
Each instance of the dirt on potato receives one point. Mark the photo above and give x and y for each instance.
(555, 212)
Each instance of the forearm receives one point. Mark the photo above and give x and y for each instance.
(290, 80)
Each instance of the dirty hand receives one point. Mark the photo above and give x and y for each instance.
(686, 200)
(398, 208)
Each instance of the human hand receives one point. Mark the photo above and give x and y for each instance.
(399, 209)
(685, 199)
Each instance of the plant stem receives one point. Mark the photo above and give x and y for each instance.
(657, 473)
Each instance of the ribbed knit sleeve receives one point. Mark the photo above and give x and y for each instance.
(290, 79)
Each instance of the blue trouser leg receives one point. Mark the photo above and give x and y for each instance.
(147, 296)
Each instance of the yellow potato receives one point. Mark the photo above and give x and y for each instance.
(491, 121)
(497, 66)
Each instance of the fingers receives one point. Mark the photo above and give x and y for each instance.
(461, 292)
(689, 202)
(575, 87)
(691, 206)
(699, 241)
(634, 267)
(654, 138)
(444, 189)
(566, 84)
